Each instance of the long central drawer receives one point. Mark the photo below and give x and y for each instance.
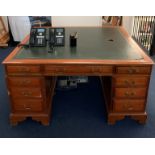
(77, 69)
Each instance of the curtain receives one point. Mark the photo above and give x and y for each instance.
(20, 27)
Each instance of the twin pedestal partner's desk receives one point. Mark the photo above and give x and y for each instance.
(124, 70)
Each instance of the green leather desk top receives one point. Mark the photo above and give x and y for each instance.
(92, 43)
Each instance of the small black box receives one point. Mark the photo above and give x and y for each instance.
(73, 40)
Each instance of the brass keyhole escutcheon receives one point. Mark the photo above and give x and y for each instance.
(126, 81)
(133, 82)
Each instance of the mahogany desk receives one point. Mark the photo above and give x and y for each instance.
(110, 53)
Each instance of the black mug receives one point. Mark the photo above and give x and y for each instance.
(73, 40)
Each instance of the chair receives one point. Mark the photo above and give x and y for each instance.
(4, 35)
(112, 20)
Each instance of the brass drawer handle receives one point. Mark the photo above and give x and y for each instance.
(27, 94)
(128, 107)
(130, 94)
(133, 93)
(24, 69)
(60, 70)
(96, 70)
(26, 82)
(133, 83)
(132, 70)
(126, 82)
(129, 82)
(126, 93)
(26, 107)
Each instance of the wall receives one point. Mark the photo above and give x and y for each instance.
(69, 21)
(89, 21)
(76, 21)
(19, 26)
(128, 22)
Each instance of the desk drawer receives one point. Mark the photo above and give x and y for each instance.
(130, 92)
(26, 92)
(28, 105)
(23, 69)
(129, 81)
(24, 81)
(133, 70)
(129, 105)
(51, 69)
